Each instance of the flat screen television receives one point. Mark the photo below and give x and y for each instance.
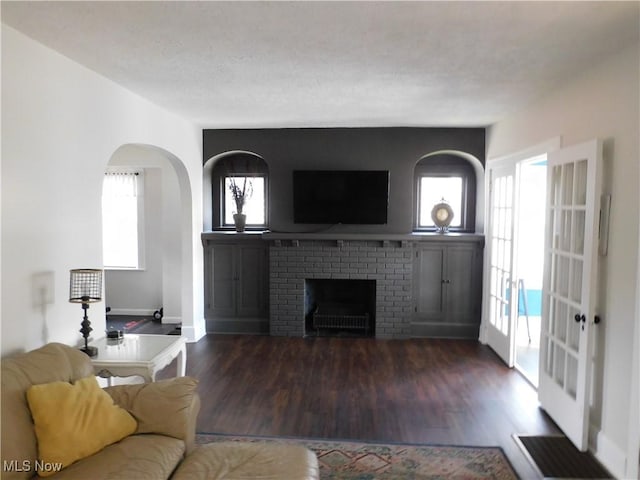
(340, 196)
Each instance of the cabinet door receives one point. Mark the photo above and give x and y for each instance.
(428, 283)
(222, 293)
(461, 291)
(447, 290)
(252, 281)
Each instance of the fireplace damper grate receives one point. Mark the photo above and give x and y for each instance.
(340, 317)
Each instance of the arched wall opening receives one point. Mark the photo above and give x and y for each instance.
(166, 280)
(478, 170)
(209, 192)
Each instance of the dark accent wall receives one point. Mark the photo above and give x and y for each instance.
(396, 149)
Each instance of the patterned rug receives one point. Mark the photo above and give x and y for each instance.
(141, 325)
(128, 323)
(376, 461)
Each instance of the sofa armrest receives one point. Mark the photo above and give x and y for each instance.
(168, 407)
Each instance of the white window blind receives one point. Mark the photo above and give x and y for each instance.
(120, 218)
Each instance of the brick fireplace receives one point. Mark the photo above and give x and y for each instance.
(339, 306)
(293, 262)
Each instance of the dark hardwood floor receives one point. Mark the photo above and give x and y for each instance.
(426, 391)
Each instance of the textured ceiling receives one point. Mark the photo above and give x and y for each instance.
(316, 64)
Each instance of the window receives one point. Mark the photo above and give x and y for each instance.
(434, 189)
(254, 204)
(249, 172)
(122, 202)
(450, 178)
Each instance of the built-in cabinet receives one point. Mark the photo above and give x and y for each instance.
(236, 285)
(447, 289)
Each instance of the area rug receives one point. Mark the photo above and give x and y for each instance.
(340, 460)
(127, 323)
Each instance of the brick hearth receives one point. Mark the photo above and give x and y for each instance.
(389, 263)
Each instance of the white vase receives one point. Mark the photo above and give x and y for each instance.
(240, 219)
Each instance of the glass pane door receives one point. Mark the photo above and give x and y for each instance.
(570, 283)
(500, 260)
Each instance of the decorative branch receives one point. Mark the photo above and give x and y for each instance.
(240, 195)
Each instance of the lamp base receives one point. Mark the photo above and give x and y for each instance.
(91, 351)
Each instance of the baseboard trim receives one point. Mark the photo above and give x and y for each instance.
(143, 312)
(612, 457)
(254, 326)
(171, 319)
(192, 334)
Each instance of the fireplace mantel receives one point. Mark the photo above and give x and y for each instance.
(293, 238)
(396, 237)
(269, 235)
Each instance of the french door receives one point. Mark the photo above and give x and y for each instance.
(502, 303)
(570, 287)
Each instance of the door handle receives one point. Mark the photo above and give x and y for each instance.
(583, 319)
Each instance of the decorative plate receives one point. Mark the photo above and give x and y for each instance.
(442, 214)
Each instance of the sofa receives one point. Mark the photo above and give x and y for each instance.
(161, 441)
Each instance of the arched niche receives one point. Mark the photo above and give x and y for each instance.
(209, 192)
(172, 237)
(478, 170)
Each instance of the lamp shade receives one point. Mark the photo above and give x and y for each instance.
(85, 285)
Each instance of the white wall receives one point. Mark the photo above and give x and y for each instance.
(61, 123)
(602, 102)
(172, 276)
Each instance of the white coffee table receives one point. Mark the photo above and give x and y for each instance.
(143, 355)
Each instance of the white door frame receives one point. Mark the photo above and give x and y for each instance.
(633, 438)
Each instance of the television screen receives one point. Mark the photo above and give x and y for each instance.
(340, 196)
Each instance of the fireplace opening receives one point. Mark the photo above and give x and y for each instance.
(339, 307)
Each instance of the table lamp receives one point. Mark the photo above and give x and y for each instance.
(86, 287)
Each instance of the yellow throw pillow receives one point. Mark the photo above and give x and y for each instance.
(73, 421)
